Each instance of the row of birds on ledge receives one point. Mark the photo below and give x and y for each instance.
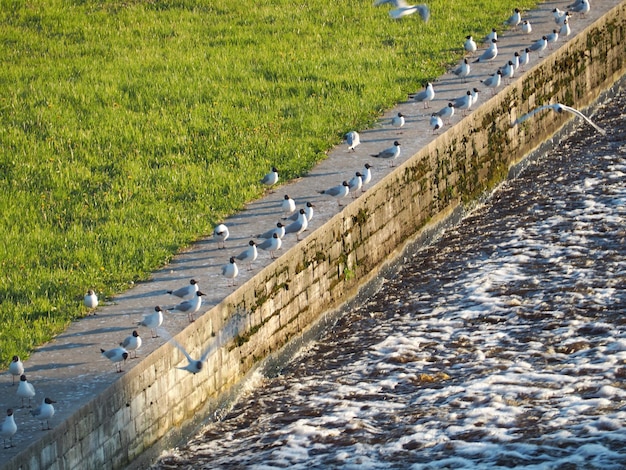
(297, 220)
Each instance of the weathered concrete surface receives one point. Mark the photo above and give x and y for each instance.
(109, 420)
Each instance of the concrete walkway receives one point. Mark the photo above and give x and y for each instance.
(70, 369)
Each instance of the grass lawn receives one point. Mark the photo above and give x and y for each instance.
(129, 129)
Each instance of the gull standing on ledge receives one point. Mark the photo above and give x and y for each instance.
(469, 45)
(353, 140)
(271, 244)
(338, 192)
(229, 271)
(116, 356)
(44, 412)
(425, 96)
(390, 153)
(559, 108)
(16, 368)
(186, 291)
(153, 321)
(132, 342)
(489, 54)
(249, 255)
(9, 428)
(190, 306)
(221, 233)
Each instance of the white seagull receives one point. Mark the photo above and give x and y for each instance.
(539, 45)
(524, 58)
(565, 29)
(493, 81)
(463, 70)
(490, 53)
(299, 225)
(44, 412)
(25, 390)
(271, 178)
(527, 28)
(390, 153)
(425, 96)
(153, 320)
(9, 428)
(355, 183)
(116, 356)
(469, 45)
(185, 291)
(338, 192)
(435, 122)
(493, 35)
(308, 209)
(398, 120)
(221, 233)
(288, 206)
(90, 300)
(552, 37)
(559, 108)
(193, 365)
(190, 306)
(464, 102)
(366, 175)
(403, 9)
(446, 112)
(583, 7)
(16, 368)
(514, 19)
(249, 255)
(353, 140)
(132, 342)
(271, 244)
(279, 230)
(230, 271)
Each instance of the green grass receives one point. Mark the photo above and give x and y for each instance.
(129, 129)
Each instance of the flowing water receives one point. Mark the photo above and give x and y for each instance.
(501, 345)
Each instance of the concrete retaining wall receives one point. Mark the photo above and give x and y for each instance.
(151, 406)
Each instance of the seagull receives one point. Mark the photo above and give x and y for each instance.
(90, 300)
(562, 18)
(425, 96)
(398, 121)
(353, 140)
(463, 70)
(527, 28)
(565, 29)
(355, 183)
(403, 9)
(558, 13)
(271, 178)
(464, 102)
(132, 342)
(490, 53)
(153, 320)
(514, 19)
(271, 244)
(44, 412)
(16, 368)
(583, 7)
(190, 306)
(221, 233)
(474, 95)
(446, 112)
(469, 45)
(229, 271)
(116, 356)
(508, 70)
(366, 175)
(552, 37)
(299, 225)
(9, 428)
(186, 291)
(515, 60)
(493, 81)
(524, 58)
(539, 45)
(559, 108)
(435, 122)
(288, 206)
(193, 365)
(308, 209)
(492, 35)
(338, 192)
(279, 230)
(390, 153)
(25, 390)
(249, 255)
